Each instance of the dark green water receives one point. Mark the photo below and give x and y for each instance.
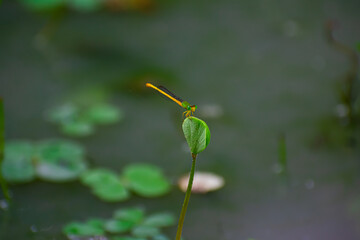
(265, 63)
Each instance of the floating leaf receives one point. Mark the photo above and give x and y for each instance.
(118, 226)
(103, 114)
(17, 165)
(59, 160)
(160, 220)
(146, 180)
(197, 134)
(203, 182)
(145, 231)
(83, 229)
(77, 128)
(134, 215)
(98, 177)
(105, 184)
(62, 114)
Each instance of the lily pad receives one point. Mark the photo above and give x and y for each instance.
(134, 215)
(83, 229)
(145, 231)
(63, 114)
(146, 180)
(112, 192)
(105, 184)
(98, 177)
(17, 166)
(160, 220)
(197, 134)
(204, 182)
(59, 160)
(103, 114)
(118, 226)
(78, 128)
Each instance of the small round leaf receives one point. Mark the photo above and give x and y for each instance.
(160, 220)
(134, 215)
(146, 180)
(118, 226)
(145, 231)
(17, 166)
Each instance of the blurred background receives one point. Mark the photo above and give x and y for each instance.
(276, 82)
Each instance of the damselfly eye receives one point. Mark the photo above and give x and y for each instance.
(189, 108)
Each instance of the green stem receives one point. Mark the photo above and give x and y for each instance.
(2, 146)
(187, 198)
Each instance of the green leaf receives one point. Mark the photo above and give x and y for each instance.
(145, 231)
(43, 4)
(146, 180)
(82, 229)
(111, 192)
(17, 166)
(98, 177)
(160, 220)
(62, 114)
(59, 160)
(134, 215)
(105, 184)
(103, 114)
(197, 134)
(118, 226)
(77, 128)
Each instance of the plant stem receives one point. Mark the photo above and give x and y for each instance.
(187, 198)
(2, 146)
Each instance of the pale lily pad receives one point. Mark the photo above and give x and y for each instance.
(59, 160)
(17, 166)
(146, 180)
(83, 229)
(145, 231)
(134, 215)
(203, 182)
(160, 220)
(118, 226)
(103, 114)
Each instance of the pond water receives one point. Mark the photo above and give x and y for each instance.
(264, 66)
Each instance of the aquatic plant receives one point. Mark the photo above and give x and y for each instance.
(79, 120)
(2, 149)
(142, 179)
(126, 224)
(51, 160)
(197, 135)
